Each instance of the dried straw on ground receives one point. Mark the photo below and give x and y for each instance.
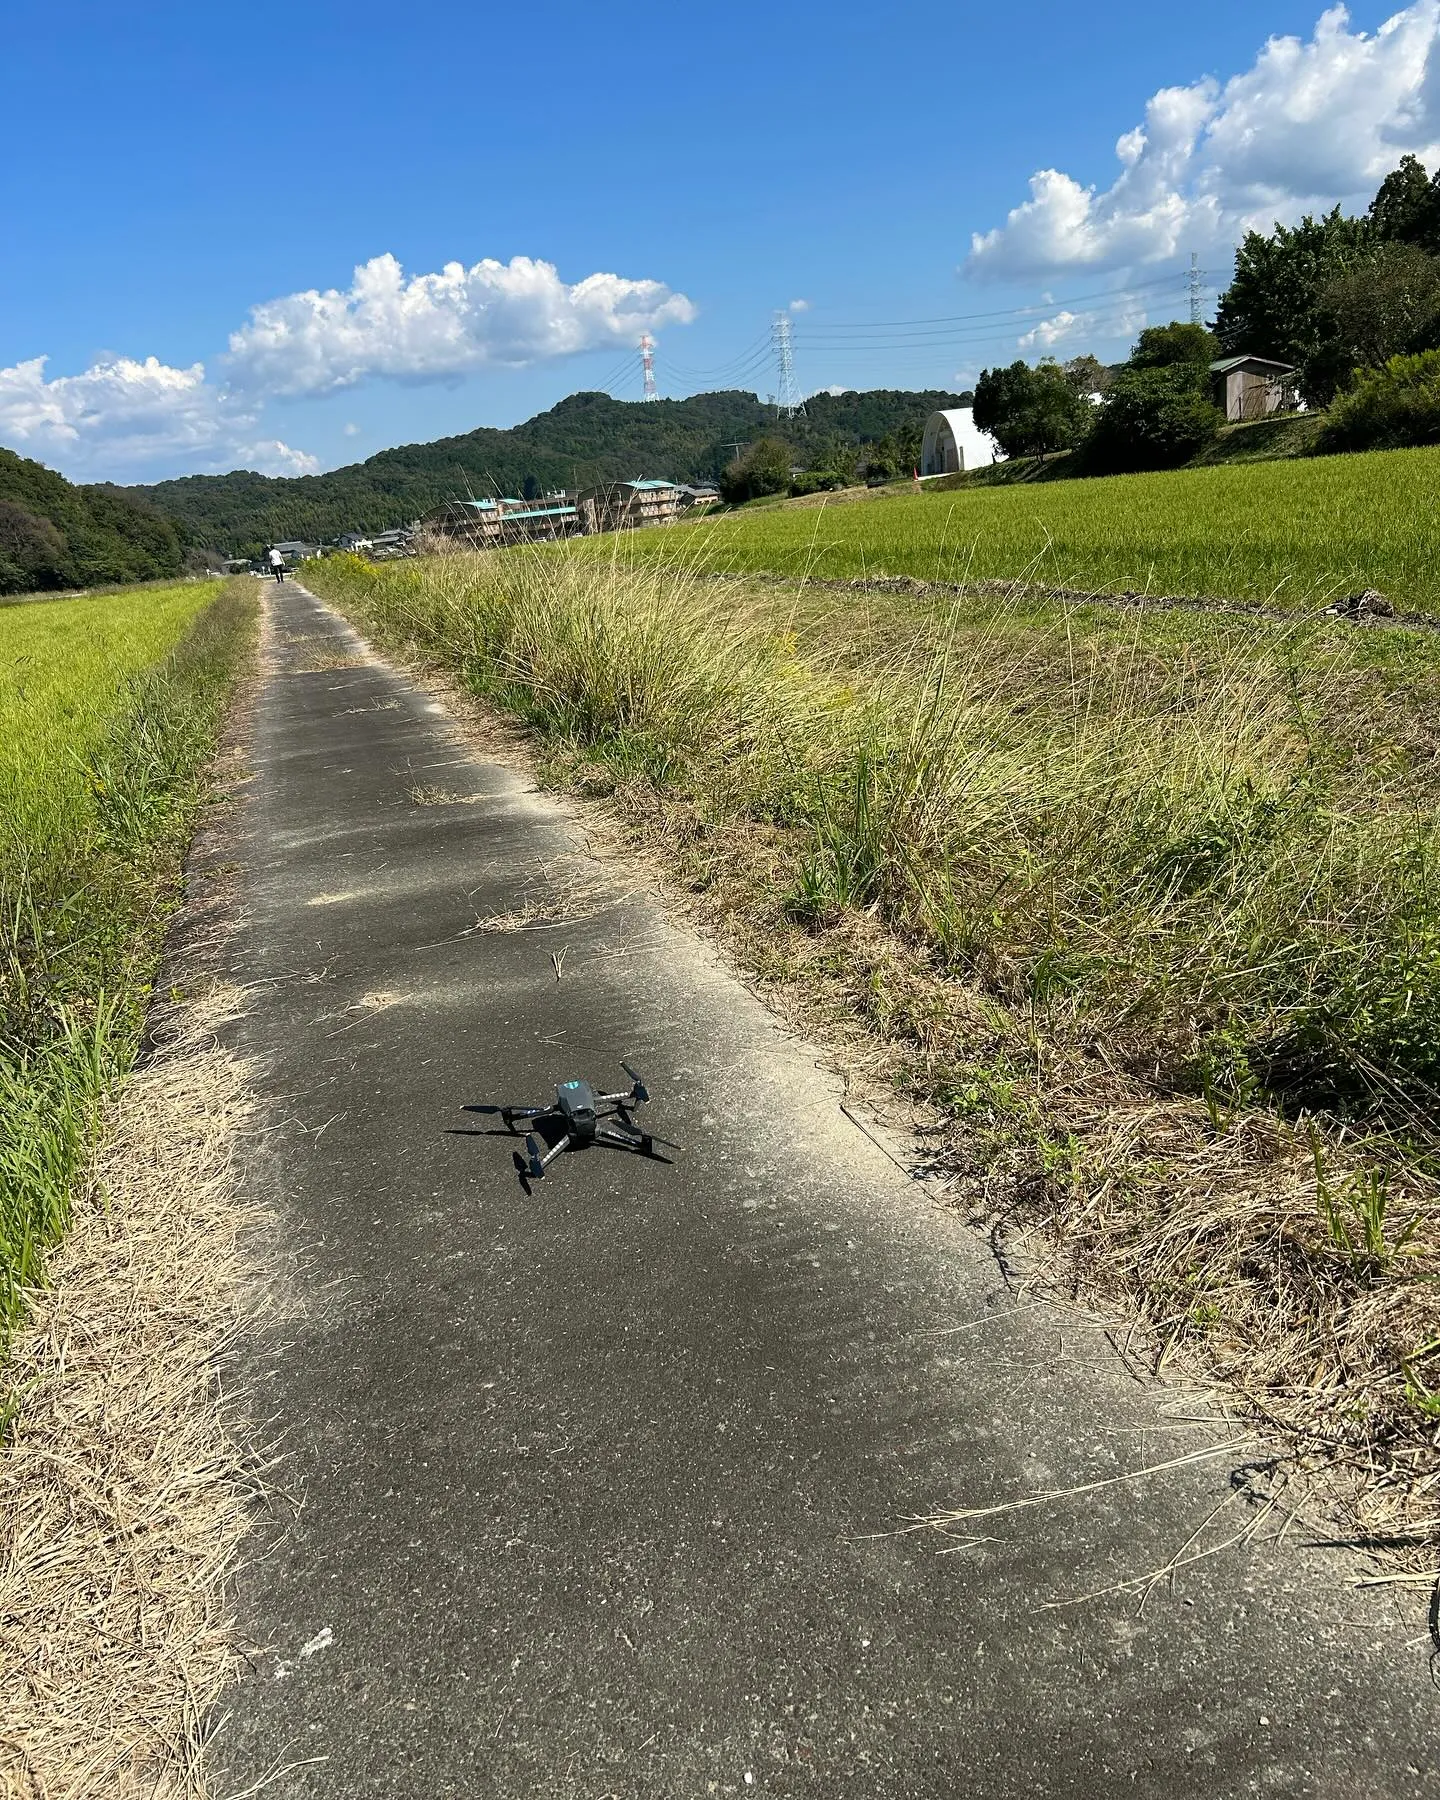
(124, 1479)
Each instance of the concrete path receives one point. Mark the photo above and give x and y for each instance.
(600, 1484)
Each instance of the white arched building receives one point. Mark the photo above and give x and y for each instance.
(954, 442)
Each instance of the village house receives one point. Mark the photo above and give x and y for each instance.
(486, 524)
(623, 505)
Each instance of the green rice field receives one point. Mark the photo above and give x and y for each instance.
(109, 706)
(65, 668)
(1294, 534)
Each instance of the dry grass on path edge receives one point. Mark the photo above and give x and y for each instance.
(127, 1476)
(129, 1473)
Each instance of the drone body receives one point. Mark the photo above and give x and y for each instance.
(575, 1102)
(583, 1117)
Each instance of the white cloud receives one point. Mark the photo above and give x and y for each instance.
(1050, 332)
(121, 417)
(1307, 125)
(437, 327)
(1103, 325)
(128, 419)
(799, 306)
(351, 428)
(271, 456)
(136, 402)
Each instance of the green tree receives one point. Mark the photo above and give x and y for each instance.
(1275, 307)
(1162, 346)
(1030, 411)
(1087, 374)
(1154, 418)
(1406, 210)
(909, 436)
(32, 552)
(762, 469)
(834, 456)
(1389, 407)
(881, 461)
(1388, 305)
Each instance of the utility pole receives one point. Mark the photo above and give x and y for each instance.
(647, 364)
(789, 402)
(1195, 281)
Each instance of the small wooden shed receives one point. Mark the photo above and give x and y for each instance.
(1252, 387)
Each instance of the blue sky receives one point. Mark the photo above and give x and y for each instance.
(167, 169)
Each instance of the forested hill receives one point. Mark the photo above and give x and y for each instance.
(586, 438)
(56, 535)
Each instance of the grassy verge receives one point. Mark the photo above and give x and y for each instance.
(109, 709)
(1294, 533)
(1144, 906)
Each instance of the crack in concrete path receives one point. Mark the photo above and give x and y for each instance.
(602, 1486)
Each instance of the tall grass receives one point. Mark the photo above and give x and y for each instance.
(1214, 842)
(1292, 533)
(108, 712)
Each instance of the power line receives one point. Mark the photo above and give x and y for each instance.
(983, 334)
(916, 343)
(990, 329)
(760, 360)
(758, 350)
(617, 373)
(918, 334)
(1010, 312)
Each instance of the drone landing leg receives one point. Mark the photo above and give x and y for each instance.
(540, 1163)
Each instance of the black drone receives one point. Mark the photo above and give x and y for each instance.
(584, 1117)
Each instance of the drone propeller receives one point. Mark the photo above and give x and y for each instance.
(537, 1161)
(642, 1093)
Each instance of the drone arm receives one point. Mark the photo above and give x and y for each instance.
(554, 1150)
(631, 1137)
(623, 1137)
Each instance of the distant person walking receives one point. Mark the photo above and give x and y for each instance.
(277, 563)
